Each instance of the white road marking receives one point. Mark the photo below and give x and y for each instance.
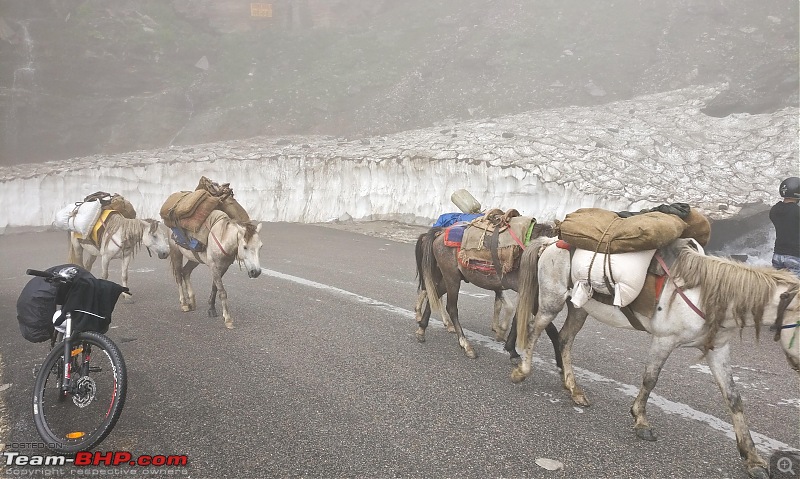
(764, 443)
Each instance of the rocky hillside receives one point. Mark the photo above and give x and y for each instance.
(81, 77)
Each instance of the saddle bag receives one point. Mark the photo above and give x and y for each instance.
(37, 304)
(91, 301)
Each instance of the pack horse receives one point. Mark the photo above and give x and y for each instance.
(229, 241)
(119, 237)
(440, 271)
(705, 301)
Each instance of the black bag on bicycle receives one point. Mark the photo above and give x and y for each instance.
(37, 304)
(91, 302)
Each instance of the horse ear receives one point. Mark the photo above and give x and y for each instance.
(258, 228)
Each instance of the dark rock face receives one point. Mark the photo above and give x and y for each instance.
(81, 78)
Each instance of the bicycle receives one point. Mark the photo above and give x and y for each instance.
(80, 388)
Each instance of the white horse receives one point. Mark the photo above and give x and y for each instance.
(228, 241)
(704, 302)
(120, 238)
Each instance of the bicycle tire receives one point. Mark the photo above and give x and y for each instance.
(47, 412)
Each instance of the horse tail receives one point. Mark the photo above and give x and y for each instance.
(72, 253)
(418, 249)
(427, 267)
(528, 299)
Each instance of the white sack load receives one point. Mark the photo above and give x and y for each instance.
(78, 217)
(628, 271)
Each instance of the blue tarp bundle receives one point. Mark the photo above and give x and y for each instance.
(448, 219)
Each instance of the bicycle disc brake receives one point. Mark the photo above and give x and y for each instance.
(85, 391)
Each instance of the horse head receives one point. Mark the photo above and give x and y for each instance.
(156, 238)
(248, 247)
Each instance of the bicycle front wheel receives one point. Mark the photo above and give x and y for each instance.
(78, 419)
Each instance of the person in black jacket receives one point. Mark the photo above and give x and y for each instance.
(785, 216)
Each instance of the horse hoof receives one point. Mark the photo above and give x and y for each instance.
(127, 298)
(420, 334)
(471, 353)
(758, 472)
(646, 434)
(580, 400)
(229, 325)
(451, 329)
(186, 309)
(212, 313)
(515, 360)
(517, 376)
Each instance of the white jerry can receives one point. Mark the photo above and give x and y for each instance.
(465, 201)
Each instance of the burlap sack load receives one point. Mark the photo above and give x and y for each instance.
(188, 209)
(476, 246)
(604, 231)
(227, 203)
(114, 202)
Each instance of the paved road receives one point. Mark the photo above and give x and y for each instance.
(322, 377)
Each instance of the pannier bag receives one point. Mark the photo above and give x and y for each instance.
(91, 301)
(37, 304)
(79, 217)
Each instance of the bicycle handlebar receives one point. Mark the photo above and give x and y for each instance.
(36, 272)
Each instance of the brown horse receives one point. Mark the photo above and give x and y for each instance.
(438, 269)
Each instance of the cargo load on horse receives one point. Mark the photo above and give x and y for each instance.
(187, 213)
(612, 252)
(86, 217)
(493, 243)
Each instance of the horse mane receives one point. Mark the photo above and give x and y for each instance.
(728, 285)
(132, 230)
(249, 229)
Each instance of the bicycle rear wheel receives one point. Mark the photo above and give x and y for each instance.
(80, 419)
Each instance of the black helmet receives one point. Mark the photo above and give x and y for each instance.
(790, 187)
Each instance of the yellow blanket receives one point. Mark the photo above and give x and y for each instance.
(96, 228)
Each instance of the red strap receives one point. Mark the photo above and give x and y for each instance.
(563, 245)
(516, 238)
(215, 238)
(680, 291)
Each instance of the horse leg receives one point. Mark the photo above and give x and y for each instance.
(105, 260)
(525, 367)
(574, 322)
(718, 360)
(422, 313)
(219, 288)
(453, 286)
(660, 349)
(188, 301)
(212, 301)
(126, 262)
(511, 343)
(89, 261)
(499, 319)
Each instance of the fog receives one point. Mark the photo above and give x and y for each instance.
(91, 79)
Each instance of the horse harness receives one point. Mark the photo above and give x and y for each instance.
(493, 223)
